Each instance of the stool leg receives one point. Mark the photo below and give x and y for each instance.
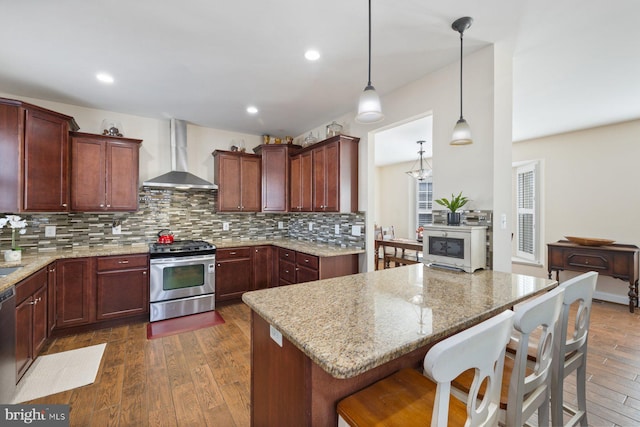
(581, 377)
(557, 391)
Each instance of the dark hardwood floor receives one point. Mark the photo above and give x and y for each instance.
(201, 378)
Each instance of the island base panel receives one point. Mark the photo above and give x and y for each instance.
(288, 388)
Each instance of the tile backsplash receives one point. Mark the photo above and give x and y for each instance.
(189, 215)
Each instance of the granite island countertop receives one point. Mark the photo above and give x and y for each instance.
(33, 262)
(349, 325)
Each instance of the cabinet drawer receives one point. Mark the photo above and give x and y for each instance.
(287, 271)
(233, 253)
(287, 254)
(308, 261)
(589, 262)
(120, 262)
(30, 285)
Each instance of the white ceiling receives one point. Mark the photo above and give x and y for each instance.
(576, 63)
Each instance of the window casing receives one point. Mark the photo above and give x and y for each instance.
(527, 212)
(424, 202)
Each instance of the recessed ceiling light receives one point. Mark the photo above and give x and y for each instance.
(312, 55)
(104, 78)
(252, 110)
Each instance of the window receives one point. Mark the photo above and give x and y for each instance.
(424, 202)
(527, 211)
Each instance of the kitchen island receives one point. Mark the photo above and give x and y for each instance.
(314, 343)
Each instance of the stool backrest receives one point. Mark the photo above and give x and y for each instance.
(482, 348)
(530, 390)
(579, 290)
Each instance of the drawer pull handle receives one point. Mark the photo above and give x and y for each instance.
(306, 260)
(124, 261)
(232, 253)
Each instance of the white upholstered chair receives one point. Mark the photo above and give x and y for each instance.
(408, 398)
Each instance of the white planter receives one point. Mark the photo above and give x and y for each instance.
(11, 255)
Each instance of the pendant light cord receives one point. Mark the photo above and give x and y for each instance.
(460, 74)
(369, 81)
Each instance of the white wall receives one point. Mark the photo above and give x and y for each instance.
(590, 180)
(395, 199)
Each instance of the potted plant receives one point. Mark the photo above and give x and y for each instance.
(16, 223)
(456, 202)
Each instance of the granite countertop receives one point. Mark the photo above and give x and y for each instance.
(32, 263)
(349, 325)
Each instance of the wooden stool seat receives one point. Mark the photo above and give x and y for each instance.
(404, 399)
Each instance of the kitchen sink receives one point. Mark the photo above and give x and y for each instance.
(5, 271)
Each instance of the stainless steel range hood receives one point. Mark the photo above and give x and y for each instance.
(179, 177)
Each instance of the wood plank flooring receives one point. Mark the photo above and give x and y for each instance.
(201, 378)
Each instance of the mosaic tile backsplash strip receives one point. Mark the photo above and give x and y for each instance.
(189, 215)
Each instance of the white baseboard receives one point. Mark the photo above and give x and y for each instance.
(607, 296)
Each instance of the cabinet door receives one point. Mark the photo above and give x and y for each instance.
(46, 150)
(262, 267)
(275, 179)
(121, 293)
(74, 296)
(233, 278)
(87, 174)
(24, 333)
(251, 177)
(51, 297)
(40, 323)
(304, 274)
(228, 174)
(122, 176)
(301, 182)
(326, 178)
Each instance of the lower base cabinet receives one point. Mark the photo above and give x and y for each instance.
(31, 319)
(74, 292)
(234, 273)
(122, 286)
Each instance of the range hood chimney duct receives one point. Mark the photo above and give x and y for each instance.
(179, 177)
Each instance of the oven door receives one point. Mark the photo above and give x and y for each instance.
(182, 277)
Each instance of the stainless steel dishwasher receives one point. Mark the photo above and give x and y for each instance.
(7, 345)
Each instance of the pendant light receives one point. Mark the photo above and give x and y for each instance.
(369, 108)
(461, 131)
(422, 173)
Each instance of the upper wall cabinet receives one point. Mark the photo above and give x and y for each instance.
(238, 177)
(334, 183)
(34, 148)
(104, 173)
(275, 175)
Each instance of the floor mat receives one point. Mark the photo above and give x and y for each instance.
(53, 373)
(177, 325)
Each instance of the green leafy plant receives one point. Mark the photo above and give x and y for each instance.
(455, 203)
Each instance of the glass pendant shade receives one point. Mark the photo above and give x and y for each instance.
(369, 107)
(461, 133)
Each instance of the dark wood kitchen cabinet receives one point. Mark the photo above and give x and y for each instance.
(34, 148)
(238, 177)
(51, 298)
(31, 319)
(75, 300)
(298, 267)
(301, 182)
(234, 272)
(335, 174)
(122, 286)
(275, 175)
(104, 173)
(263, 270)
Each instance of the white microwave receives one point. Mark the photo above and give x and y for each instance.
(460, 247)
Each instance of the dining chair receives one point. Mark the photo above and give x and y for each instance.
(409, 398)
(571, 347)
(526, 388)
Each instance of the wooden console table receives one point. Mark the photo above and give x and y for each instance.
(619, 261)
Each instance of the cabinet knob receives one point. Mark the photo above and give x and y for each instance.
(101, 205)
(64, 205)
(108, 206)
(144, 273)
(218, 264)
(306, 260)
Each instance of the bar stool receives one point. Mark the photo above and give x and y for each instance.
(572, 349)
(526, 389)
(408, 398)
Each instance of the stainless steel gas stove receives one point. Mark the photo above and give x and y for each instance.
(182, 279)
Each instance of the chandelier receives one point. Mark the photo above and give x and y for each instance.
(422, 173)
